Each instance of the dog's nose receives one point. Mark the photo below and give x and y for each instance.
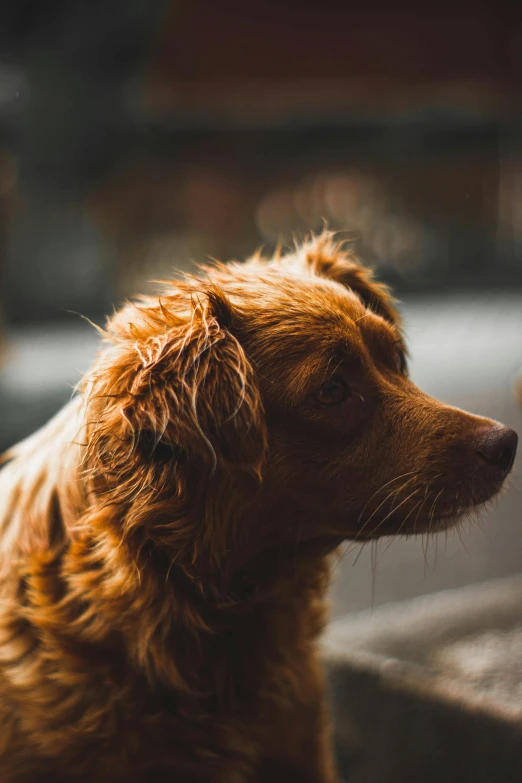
(498, 447)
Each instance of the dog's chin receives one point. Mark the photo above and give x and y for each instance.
(434, 521)
(437, 523)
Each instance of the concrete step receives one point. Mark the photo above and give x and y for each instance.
(430, 689)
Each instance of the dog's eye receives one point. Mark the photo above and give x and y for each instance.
(333, 392)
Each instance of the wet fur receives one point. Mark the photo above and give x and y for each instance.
(163, 544)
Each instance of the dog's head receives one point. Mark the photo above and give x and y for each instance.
(269, 406)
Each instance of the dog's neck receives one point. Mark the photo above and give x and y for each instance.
(145, 606)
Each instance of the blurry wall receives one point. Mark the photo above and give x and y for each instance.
(135, 136)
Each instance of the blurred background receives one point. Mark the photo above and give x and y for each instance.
(139, 136)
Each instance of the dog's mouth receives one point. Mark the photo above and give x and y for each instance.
(472, 475)
(430, 520)
(396, 525)
(425, 502)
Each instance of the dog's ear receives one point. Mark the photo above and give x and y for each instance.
(328, 258)
(176, 438)
(175, 385)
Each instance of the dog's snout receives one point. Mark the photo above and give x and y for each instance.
(498, 447)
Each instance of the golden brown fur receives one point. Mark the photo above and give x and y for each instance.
(164, 540)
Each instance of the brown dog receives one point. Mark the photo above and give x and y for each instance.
(164, 539)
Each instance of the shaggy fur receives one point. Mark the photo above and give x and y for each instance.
(164, 540)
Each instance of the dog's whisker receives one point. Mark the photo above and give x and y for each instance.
(392, 494)
(397, 478)
(457, 530)
(358, 555)
(430, 523)
(374, 545)
(401, 527)
(377, 527)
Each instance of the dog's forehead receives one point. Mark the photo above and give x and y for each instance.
(333, 310)
(315, 297)
(295, 315)
(299, 324)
